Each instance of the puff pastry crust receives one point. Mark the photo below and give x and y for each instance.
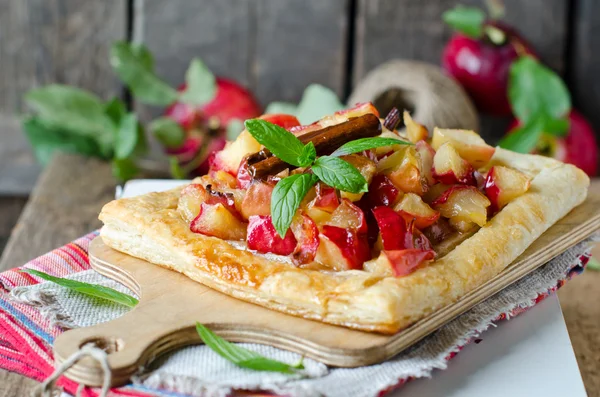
(149, 227)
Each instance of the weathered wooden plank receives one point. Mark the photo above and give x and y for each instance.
(584, 61)
(63, 206)
(12, 385)
(45, 41)
(10, 209)
(274, 47)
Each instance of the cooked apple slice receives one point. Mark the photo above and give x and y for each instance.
(463, 203)
(231, 156)
(191, 198)
(381, 192)
(400, 263)
(327, 199)
(243, 177)
(218, 221)
(307, 234)
(469, 144)
(286, 121)
(360, 109)
(426, 154)
(223, 180)
(415, 132)
(403, 168)
(365, 166)
(348, 216)
(342, 249)
(434, 192)
(503, 185)
(412, 207)
(395, 233)
(257, 200)
(262, 237)
(449, 168)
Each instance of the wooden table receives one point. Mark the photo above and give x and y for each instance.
(69, 194)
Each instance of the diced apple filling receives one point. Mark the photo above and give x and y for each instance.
(469, 145)
(403, 168)
(449, 168)
(414, 131)
(412, 207)
(503, 185)
(463, 203)
(218, 221)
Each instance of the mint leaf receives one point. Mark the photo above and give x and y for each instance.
(525, 138)
(279, 141)
(168, 132)
(536, 91)
(132, 69)
(200, 84)
(243, 357)
(286, 199)
(74, 110)
(556, 127)
(176, 171)
(115, 109)
(467, 20)
(143, 55)
(127, 137)
(308, 156)
(46, 140)
(340, 174)
(124, 169)
(317, 102)
(362, 144)
(98, 291)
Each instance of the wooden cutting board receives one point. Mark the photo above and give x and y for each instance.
(171, 304)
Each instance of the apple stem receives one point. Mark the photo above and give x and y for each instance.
(495, 35)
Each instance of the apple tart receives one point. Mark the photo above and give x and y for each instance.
(362, 225)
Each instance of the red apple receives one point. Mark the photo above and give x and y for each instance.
(342, 249)
(257, 200)
(243, 178)
(482, 67)
(403, 262)
(503, 185)
(286, 121)
(469, 145)
(463, 205)
(306, 232)
(449, 168)
(262, 237)
(412, 207)
(218, 221)
(579, 147)
(348, 216)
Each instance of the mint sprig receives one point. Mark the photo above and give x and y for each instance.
(286, 198)
(243, 357)
(340, 174)
(95, 290)
(363, 144)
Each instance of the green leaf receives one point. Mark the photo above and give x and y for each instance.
(278, 140)
(362, 144)
(133, 70)
(176, 171)
(47, 140)
(115, 109)
(74, 110)
(98, 291)
(286, 199)
(524, 139)
(124, 169)
(127, 137)
(308, 156)
(593, 264)
(282, 108)
(557, 127)
(143, 54)
(168, 132)
(243, 357)
(200, 84)
(234, 129)
(536, 91)
(317, 102)
(340, 174)
(467, 20)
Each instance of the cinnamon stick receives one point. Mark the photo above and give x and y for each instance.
(326, 140)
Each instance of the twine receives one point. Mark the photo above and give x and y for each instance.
(47, 388)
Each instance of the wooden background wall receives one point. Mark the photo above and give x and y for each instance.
(275, 47)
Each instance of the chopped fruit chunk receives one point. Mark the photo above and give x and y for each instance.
(403, 168)
(469, 145)
(426, 154)
(395, 232)
(463, 203)
(318, 215)
(403, 262)
(286, 121)
(263, 237)
(223, 180)
(412, 207)
(327, 199)
(414, 131)
(243, 175)
(257, 200)
(360, 109)
(218, 221)
(342, 249)
(365, 166)
(348, 216)
(434, 192)
(229, 159)
(461, 225)
(503, 185)
(450, 168)
(306, 232)
(381, 192)
(191, 198)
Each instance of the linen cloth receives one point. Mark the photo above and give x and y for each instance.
(33, 313)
